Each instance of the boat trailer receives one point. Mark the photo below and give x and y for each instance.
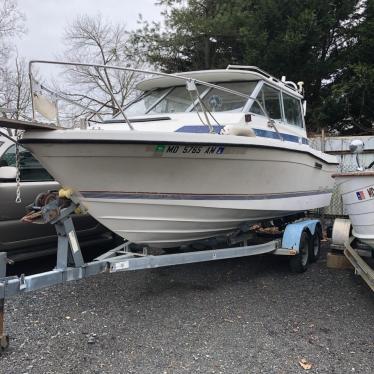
(342, 240)
(70, 265)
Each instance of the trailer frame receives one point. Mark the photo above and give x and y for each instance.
(71, 266)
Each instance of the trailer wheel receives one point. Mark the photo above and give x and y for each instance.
(315, 244)
(299, 263)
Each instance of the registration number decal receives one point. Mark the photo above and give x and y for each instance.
(189, 149)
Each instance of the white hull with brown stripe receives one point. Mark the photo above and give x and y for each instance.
(166, 189)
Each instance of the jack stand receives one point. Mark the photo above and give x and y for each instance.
(68, 253)
(4, 339)
(50, 208)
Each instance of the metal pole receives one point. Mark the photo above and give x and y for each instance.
(67, 100)
(361, 267)
(179, 77)
(191, 86)
(271, 124)
(175, 76)
(114, 99)
(211, 129)
(31, 78)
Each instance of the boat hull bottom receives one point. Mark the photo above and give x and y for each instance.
(170, 224)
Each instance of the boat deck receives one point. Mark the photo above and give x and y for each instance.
(27, 125)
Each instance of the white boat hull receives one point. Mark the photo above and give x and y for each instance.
(174, 222)
(357, 190)
(164, 196)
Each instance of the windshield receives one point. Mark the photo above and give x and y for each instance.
(145, 102)
(178, 99)
(221, 101)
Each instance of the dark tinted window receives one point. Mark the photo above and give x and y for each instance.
(270, 100)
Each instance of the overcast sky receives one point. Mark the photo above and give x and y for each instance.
(46, 20)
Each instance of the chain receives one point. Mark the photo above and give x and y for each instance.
(18, 176)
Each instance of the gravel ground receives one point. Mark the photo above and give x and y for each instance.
(247, 315)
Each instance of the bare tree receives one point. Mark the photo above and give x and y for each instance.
(93, 40)
(15, 96)
(11, 25)
(14, 86)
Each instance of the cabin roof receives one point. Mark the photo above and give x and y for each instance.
(213, 76)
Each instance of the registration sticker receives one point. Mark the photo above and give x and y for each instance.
(205, 150)
(160, 148)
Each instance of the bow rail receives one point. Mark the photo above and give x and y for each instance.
(99, 68)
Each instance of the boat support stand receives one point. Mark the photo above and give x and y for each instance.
(70, 264)
(342, 241)
(360, 266)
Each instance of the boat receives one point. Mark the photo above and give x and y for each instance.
(196, 156)
(357, 191)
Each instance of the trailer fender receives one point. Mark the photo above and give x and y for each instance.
(293, 231)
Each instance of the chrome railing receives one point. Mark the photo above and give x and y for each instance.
(190, 85)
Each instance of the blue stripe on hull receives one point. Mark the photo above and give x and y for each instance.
(199, 129)
(259, 132)
(186, 196)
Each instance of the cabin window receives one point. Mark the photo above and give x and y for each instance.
(292, 110)
(221, 101)
(270, 100)
(30, 168)
(178, 100)
(145, 102)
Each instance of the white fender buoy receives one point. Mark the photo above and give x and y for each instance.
(237, 130)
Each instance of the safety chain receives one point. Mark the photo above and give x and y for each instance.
(18, 175)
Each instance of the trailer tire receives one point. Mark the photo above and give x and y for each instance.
(315, 244)
(299, 263)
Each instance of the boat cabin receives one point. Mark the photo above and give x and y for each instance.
(208, 101)
(263, 97)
